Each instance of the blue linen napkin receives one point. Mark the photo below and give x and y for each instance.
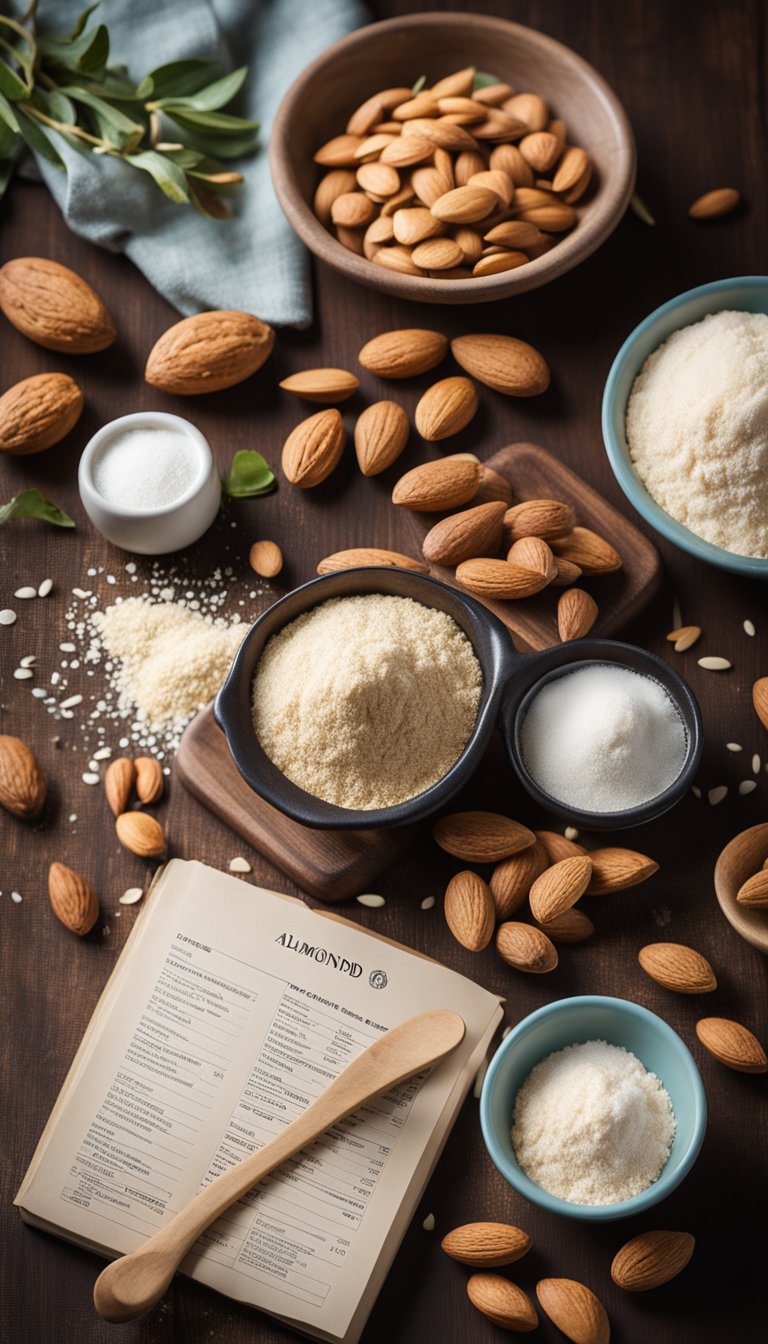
(252, 261)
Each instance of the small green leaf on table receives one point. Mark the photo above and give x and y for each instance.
(250, 475)
(34, 504)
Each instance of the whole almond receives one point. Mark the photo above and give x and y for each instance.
(557, 218)
(38, 412)
(54, 307)
(733, 1044)
(513, 233)
(714, 204)
(572, 926)
(407, 151)
(571, 168)
(404, 354)
(119, 779)
(593, 554)
(435, 487)
(496, 180)
(438, 254)
(567, 573)
(372, 110)
(313, 449)
(493, 95)
(73, 900)
(22, 781)
(511, 161)
(457, 85)
(369, 555)
(558, 847)
(429, 185)
(397, 259)
(487, 1245)
(381, 433)
(575, 1310)
(446, 408)
(526, 948)
(559, 887)
(149, 779)
(677, 967)
(533, 553)
(476, 531)
(481, 837)
(208, 352)
(493, 486)
(760, 699)
(500, 580)
(651, 1259)
(327, 387)
(496, 260)
(265, 559)
(530, 108)
(512, 879)
(469, 910)
(754, 892)
(339, 152)
(334, 184)
(502, 1302)
(503, 363)
(413, 225)
(576, 613)
(378, 179)
(465, 205)
(352, 210)
(545, 518)
(616, 869)
(141, 834)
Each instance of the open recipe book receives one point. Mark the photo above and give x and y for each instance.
(230, 1009)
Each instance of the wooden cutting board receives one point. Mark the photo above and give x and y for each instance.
(333, 865)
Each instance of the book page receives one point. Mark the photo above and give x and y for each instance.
(240, 1008)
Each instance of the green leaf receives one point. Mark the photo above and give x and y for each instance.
(82, 20)
(250, 475)
(167, 174)
(33, 504)
(14, 88)
(419, 85)
(8, 164)
(223, 147)
(59, 106)
(212, 97)
(38, 139)
(220, 123)
(483, 81)
(7, 114)
(178, 79)
(86, 54)
(113, 124)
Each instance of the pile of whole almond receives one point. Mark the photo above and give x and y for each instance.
(451, 181)
(137, 831)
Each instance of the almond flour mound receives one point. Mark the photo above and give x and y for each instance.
(367, 701)
(697, 429)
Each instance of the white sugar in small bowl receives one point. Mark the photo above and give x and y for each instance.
(156, 528)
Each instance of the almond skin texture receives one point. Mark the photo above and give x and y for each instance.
(651, 1259)
(558, 847)
(404, 354)
(754, 892)
(141, 834)
(119, 779)
(208, 352)
(481, 837)
(500, 580)
(446, 408)
(572, 926)
(486, 1245)
(575, 1310)
(38, 412)
(513, 878)
(714, 204)
(327, 387)
(507, 365)
(493, 487)
(266, 559)
(465, 205)
(593, 554)
(545, 518)
(616, 869)
(313, 449)
(533, 553)
(677, 967)
(526, 948)
(372, 555)
(576, 614)
(149, 779)
(381, 434)
(469, 911)
(73, 900)
(22, 781)
(503, 1302)
(436, 486)
(54, 307)
(474, 532)
(734, 1045)
(559, 888)
(760, 700)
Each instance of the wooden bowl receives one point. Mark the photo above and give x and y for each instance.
(742, 857)
(397, 52)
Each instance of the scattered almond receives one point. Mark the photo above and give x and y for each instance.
(513, 878)
(265, 559)
(469, 911)
(73, 900)
(572, 926)
(404, 354)
(313, 449)
(437, 486)
(616, 869)
(545, 518)
(504, 363)
(677, 967)
(559, 887)
(684, 637)
(526, 948)
(575, 1310)
(23, 786)
(54, 307)
(369, 555)
(760, 699)
(576, 614)
(325, 386)
(446, 408)
(488, 1245)
(38, 412)
(141, 834)
(754, 892)
(502, 1302)
(593, 554)
(481, 837)
(533, 553)
(381, 433)
(651, 1259)
(500, 580)
(119, 779)
(461, 536)
(558, 846)
(149, 779)
(714, 204)
(208, 352)
(714, 664)
(732, 1044)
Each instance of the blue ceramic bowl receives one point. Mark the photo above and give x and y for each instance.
(589, 1018)
(748, 293)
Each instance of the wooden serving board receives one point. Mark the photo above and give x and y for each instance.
(535, 473)
(334, 865)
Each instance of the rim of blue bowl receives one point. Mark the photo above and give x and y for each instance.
(663, 1185)
(617, 448)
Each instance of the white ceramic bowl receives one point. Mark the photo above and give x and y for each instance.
(153, 531)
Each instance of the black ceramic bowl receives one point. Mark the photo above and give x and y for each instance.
(508, 678)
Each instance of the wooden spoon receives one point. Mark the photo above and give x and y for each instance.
(134, 1283)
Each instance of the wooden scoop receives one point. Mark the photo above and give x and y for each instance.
(134, 1283)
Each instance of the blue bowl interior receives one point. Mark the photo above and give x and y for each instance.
(747, 293)
(621, 1023)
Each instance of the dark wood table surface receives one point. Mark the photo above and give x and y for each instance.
(691, 76)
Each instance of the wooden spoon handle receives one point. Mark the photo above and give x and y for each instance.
(134, 1283)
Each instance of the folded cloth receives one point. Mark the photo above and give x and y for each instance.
(252, 261)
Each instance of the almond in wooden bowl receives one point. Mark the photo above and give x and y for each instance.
(738, 863)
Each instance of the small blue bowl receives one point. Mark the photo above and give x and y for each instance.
(589, 1018)
(747, 293)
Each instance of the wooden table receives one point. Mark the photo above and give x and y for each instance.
(690, 77)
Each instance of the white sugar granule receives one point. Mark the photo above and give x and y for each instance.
(367, 701)
(697, 429)
(172, 661)
(592, 1125)
(145, 468)
(603, 738)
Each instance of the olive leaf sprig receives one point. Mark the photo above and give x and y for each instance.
(54, 86)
